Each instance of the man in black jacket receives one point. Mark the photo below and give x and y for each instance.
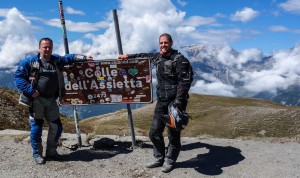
(174, 77)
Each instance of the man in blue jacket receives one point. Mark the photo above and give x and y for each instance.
(38, 78)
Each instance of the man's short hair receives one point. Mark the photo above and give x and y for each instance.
(45, 39)
(167, 35)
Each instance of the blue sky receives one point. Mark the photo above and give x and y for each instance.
(254, 27)
(267, 25)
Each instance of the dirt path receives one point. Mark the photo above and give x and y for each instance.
(206, 157)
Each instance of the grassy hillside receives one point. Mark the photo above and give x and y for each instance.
(15, 116)
(215, 116)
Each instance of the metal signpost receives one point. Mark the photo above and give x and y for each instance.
(62, 20)
(117, 29)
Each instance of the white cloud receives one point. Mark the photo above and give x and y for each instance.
(264, 81)
(70, 10)
(3, 12)
(181, 2)
(247, 55)
(214, 88)
(83, 27)
(219, 15)
(278, 29)
(285, 72)
(282, 29)
(140, 29)
(185, 29)
(226, 57)
(230, 58)
(16, 38)
(292, 6)
(198, 20)
(211, 36)
(244, 15)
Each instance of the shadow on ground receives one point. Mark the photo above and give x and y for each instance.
(212, 162)
(88, 154)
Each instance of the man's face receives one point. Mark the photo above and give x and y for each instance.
(45, 49)
(165, 45)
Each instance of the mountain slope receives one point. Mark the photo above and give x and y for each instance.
(15, 116)
(222, 117)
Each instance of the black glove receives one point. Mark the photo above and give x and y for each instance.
(178, 104)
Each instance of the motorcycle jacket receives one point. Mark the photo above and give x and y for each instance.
(174, 75)
(29, 70)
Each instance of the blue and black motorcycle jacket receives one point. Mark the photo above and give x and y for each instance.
(26, 75)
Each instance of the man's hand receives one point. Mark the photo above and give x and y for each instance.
(178, 104)
(89, 58)
(123, 56)
(81, 57)
(35, 94)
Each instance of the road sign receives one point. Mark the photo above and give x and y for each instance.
(108, 82)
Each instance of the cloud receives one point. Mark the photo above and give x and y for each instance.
(182, 3)
(139, 35)
(70, 10)
(214, 88)
(284, 72)
(219, 15)
(247, 55)
(3, 12)
(212, 36)
(282, 29)
(244, 15)
(78, 47)
(82, 27)
(278, 29)
(292, 6)
(226, 57)
(198, 20)
(231, 58)
(16, 38)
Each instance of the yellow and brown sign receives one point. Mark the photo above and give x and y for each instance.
(108, 82)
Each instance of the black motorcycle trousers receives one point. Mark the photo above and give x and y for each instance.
(156, 135)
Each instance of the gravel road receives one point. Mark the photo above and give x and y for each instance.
(200, 157)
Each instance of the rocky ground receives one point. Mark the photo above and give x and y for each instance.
(200, 157)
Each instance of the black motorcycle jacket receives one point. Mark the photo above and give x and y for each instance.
(174, 75)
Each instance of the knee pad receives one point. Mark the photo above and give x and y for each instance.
(39, 122)
(36, 122)
(57, 125)
(57, 121)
